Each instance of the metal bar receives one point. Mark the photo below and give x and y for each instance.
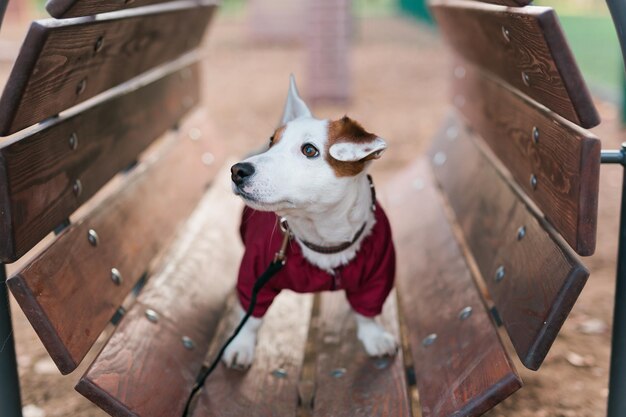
(10, 400)
(612, 157)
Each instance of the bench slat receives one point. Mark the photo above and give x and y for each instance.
(67, 292)
(74, 8)
(144, 370)
(564, 158)
(109, 136)
(64, 63)
(466, 370)
(541, 277)
(517, 43)
(510, 3)
(349, 383)
(270, 386)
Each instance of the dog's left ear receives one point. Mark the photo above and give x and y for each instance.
(358, 151)
(295, 107)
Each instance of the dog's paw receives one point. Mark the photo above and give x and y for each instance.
(240, 353)
(376, 340)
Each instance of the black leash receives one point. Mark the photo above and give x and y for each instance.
(272, 269)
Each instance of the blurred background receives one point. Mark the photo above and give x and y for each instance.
(381, 62)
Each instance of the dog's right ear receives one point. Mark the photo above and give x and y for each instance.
(295, 107)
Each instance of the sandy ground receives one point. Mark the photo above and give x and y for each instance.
(400, 93)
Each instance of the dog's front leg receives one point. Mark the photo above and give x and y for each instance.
(240, 353)
(376, 340)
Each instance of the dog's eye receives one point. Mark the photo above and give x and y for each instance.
(310, 151)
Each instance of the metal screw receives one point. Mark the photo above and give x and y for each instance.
(459, 72)
(465, 313)
(195, 133)
(279, 373)
(207, 158)
(533, 181)
(116, 276)
(429, 340)
(80, 88)
(188, 343)
(73, 141)
(535, 135)
(521, 232)
(506, 34)
(500, 273)
(439, 158)
(92, 237)
(525, 79)
(77, 188)
(99, 44)
(338, 373)
(152, 315)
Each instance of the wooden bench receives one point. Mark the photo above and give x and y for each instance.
(488, 226)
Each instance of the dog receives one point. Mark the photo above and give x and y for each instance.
(313, 174)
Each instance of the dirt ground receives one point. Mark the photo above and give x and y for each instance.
(399, 87)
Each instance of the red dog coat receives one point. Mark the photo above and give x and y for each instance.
(367, 279)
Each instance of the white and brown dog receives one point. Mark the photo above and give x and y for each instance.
(314, 176)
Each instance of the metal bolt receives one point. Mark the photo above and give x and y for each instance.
(80, 88)
(188, 343)
(73, 141)
(77, 188)
(152, 315)
(279, 373)
(429, 340)
(500, 273)
(99, 44)
(533, 181)
(535, 135)
(525, 79)
(338, 373)
(521, 232)
(207, 158)
(506, 34)
(195, 133)
(459, 72)
(439, 159)
(465, 313)
(92, 237)
(116, 276)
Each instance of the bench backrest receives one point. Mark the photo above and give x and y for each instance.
(85, 103)
(518, 170)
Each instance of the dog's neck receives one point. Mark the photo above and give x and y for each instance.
(335, 224)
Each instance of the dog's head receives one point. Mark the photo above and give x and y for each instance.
(310, 163)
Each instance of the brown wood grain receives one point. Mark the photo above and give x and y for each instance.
(67, 292)
(261, 391)
(368, 387)
(542, 275)
(74, 8)
(564, 158)
(144, 370)
(41, 167)
(534, 45)
(60, 64)
(466, 370)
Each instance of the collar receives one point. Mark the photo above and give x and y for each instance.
(330, 250)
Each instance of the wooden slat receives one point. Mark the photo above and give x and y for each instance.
(40, 168)
(63, 63)
(349, 383)
(466, 370)
(564, 158)
(512, 42)
(67, 292)
(144, 370)
(270, 386)
(542, 275)
(75, 8)
(510, 3)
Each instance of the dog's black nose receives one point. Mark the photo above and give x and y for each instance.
(240, 171)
